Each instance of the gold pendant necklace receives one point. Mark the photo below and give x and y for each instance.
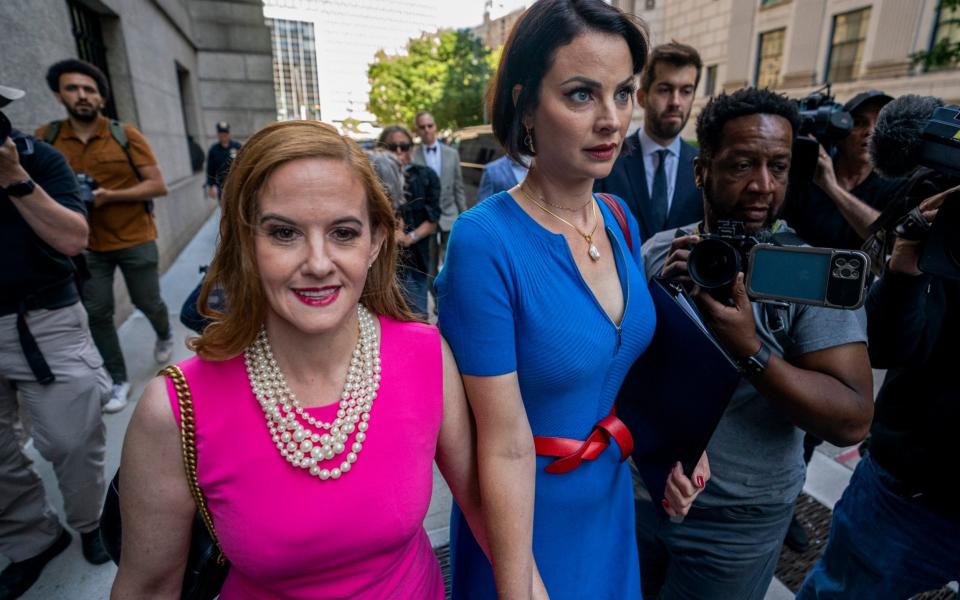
(592, 251)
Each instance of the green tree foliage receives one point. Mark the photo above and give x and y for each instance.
(445, 73)
(943, 53)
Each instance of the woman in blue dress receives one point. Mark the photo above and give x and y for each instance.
(545, 305)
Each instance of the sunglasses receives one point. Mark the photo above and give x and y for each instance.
(400, 147)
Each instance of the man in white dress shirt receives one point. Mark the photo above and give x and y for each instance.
(654, 173)
(445, 161)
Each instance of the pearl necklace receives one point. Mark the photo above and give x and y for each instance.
(307, 448)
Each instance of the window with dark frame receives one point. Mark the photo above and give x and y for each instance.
(88, 34)
(710, 82)
(769, 58)
(846, 45)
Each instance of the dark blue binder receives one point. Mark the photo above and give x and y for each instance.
(674, 395)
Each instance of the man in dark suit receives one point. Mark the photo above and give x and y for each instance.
(654, 173)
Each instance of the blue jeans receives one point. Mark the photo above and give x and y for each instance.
(882, 545)
(414, 286)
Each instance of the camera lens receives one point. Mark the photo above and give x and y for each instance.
(713, 264)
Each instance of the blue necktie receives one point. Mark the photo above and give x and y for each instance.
(658, 203)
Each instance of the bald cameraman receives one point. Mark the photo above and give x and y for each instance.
(48, 362)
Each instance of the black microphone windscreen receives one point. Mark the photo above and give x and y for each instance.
(895, 143)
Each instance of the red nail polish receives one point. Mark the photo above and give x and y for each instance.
(665, 503)
(700, 481)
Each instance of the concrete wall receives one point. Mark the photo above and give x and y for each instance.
(235, 66)
(177, 67)
(24, 56)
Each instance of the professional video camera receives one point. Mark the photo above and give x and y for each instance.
(823, 118)
(778, 268)
(919, 137)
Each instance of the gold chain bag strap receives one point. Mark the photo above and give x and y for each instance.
(207, 565)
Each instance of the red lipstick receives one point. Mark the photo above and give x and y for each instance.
(322, 296)
(602, 151)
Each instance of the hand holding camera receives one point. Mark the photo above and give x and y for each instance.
(675, 267)
(824, 176)
(88, 189)
(906, 253)
(11, 171)
(733, 324)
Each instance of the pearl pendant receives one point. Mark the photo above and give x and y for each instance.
(594, 253)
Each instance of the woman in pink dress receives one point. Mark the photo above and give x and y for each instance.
(320, 402)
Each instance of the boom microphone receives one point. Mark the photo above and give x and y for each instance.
(897, 137)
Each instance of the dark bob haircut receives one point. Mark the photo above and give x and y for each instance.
(531, 48)
(741, 103)
(72, 65)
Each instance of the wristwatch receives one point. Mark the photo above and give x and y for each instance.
(413, 236)
(20, 188)
(755, 364)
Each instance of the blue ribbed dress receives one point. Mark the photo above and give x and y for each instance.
(512, 299)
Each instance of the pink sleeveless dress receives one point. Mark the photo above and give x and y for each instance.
(290, 535)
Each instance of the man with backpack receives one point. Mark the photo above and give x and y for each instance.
(118, 177)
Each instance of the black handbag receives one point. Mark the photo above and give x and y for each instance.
(207, 566)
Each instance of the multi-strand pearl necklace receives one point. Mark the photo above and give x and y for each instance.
(302, 446)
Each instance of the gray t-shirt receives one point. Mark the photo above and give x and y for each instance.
(756, 453)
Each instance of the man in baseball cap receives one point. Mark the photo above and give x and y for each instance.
(219, 158)
(47, 351)
(9, 94)
(848, 195)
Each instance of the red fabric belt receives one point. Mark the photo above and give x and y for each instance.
(570, 453)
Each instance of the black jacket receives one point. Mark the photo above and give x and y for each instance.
(628, 180)
(218, 162)
(421, 203)
(913, 325)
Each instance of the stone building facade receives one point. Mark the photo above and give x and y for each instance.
(494, 31)
(176, 68)
(796, 46)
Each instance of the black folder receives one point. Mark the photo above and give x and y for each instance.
(674, 395)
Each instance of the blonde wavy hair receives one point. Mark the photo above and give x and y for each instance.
(234, 266)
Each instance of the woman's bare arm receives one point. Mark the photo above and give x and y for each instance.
(155, 503)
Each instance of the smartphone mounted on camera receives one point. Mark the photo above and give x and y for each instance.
(805, 275)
